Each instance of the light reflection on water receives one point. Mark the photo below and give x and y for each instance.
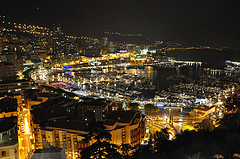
(158, 76)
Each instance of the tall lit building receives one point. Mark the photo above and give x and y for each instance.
(63, 132)
(15, 86)
(57, 29)
(126, 127)
(7, 71)
(104, 41)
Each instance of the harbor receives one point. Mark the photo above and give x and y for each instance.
(186, 85)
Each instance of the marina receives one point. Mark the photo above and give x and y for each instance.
(186, 85)
(185, 94)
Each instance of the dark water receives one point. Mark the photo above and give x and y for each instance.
(160, 76)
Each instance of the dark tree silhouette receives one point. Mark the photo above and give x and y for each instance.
(127, 151)
(134, 106)
(232, 104)
(98, 132)
(207, 124)
(101, 148)
(161, 140)
(149, 108)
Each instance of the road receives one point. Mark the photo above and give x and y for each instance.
(25, 133)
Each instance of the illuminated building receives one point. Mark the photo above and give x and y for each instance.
(204, 111)
(126, 127)
(104, 41)
(8, 138)
(57, 29)
(15, 86)
(63, 132)
(92, 53)
(53, 124)
(8, 71)
(93, 109)
(13, 58)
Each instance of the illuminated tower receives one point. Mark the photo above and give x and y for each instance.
(125, 104)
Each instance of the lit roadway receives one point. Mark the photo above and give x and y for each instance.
(162, 121)
(25, 135)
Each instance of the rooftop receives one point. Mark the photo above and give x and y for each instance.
(44, 114)
(13, 81)
(8, 125)
(95, 102)
(122, 116)
(8, 104)
(67, 124)
(109, 122)
(204, 108)
(54, 102)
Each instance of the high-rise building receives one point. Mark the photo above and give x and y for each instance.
(126, 127)
(7, 71)
(62, 133)
(57, 29)
(104, 41)
(15, 86)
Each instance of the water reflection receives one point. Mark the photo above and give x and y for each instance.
(158, 76)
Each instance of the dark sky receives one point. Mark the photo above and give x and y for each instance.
(213, 22)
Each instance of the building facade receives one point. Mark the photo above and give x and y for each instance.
(63, 133)
(126, 127)
(8, 139)
(15, 86)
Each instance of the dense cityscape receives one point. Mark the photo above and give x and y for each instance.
(115, 95)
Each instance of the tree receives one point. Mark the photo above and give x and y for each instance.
(101, 148)
(144, 151)
(127, 151)
(149, 108)
(134, 106)
(161, 139)
(232, 103)
(98, 132)
(207, 124)
(157, 147)
(231, 122)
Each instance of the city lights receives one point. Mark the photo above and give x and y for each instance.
(119, 80)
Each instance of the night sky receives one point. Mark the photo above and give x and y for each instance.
(206, 22)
